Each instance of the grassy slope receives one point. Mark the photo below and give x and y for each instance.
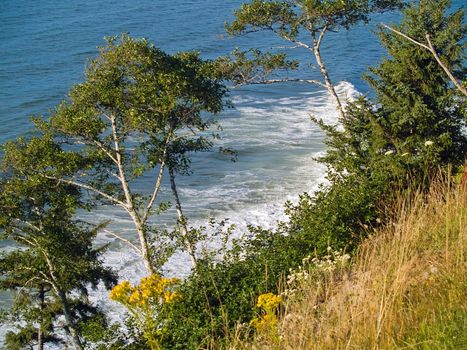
(406, 288)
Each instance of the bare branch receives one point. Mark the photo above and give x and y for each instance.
(448, 72)
(89, 188)
(126, 241)
(37, 228)
(105, 150)
(121, 170)
(430, 48)
(321, 36)
(28, 282)
(405, 36)
(292, 40)
(156, 189)
(286, 47)
(278, 81)
(33, 242)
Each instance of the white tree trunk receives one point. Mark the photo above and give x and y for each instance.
(327, 80)
(130, 207)
(181, 219)
(40, 332)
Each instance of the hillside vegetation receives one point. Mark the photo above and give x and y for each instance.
(405, 287)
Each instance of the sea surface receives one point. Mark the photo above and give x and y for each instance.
(44, 48)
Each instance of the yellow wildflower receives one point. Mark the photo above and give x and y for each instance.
(120, 292)
(269, 301)
(265, 323)
(136, 297)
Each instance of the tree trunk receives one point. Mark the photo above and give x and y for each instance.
(130, 207)
(329, 85)
(40, 332)
(181, 219)
(69, 320)
(143, 241)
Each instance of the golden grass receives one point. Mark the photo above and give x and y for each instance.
(406, 287)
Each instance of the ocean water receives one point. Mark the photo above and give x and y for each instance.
(44, 47)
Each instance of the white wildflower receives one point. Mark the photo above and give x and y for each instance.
(428, 143)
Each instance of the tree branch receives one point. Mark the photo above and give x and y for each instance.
(278, 81)
(448, 72)
(121, 170)
(430, 48)
(37, 228)
(123, 240)
(89, 188)
(157, 186)
(29, 281)
(292, 40)
(31, 243)
(105, 150)
(405, 36)
(321, 36)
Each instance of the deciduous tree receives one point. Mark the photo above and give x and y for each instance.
(124, 121)
(303, 23)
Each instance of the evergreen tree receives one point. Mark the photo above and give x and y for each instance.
(53, 261)
(414, 126)
(419, 119)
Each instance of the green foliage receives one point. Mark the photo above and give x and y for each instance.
(221, 294)
(289, 20)
(53, 255)
(418, 125)
(130, 117)
(420, 114)
(252, 66)
(28, 310)
(337, 216)
(446, 329)
(147, 96)
(138, 112)
(416, 128)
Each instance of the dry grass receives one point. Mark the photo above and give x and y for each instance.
(406, 288)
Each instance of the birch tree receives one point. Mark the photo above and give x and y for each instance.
(135, 102)
(302, 23)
